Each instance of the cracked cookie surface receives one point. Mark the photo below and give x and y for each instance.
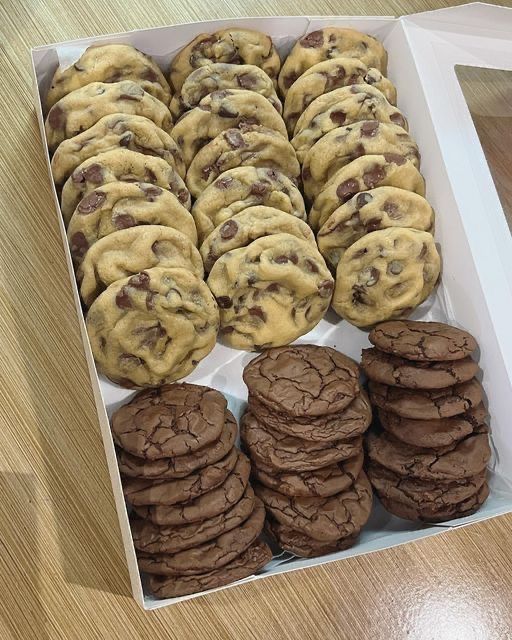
(416, 340)
(110, 63)
(324, 519)
(302, 545)
(120, 165)
(219, 76)
(270, 292)
(153, 327)
(362, 174)
(369, 211)
(422, 404)
(234, 46)
(171, 420)
(82, 108)
(124, 205)
(242, 187)
(330, 42)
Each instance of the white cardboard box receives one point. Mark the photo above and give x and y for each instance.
(476, 245)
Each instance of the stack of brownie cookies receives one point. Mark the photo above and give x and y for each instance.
(133, 241)
(428, 461)
(360, 171)
(303, 431)
(196, 521)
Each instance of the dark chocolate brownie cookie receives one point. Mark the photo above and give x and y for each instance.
(302, 545)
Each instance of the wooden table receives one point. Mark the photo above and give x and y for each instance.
(62, 567)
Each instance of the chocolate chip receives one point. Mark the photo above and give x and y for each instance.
(79, 245)
(123, 300)
(395, 267)
(247, 121)
(125, 140)
(363, 198)
(140, 280)
(246, 81)
(149, 74)
(234, 139)
(290, 79)
(313, 40)
(150, 300)
(123, 221)
(252, 279)
(129, 361)
(223, 183)
(373, 277)
(228, 230)
(224, 302)
(93, 174)
(183, 196)
(372, 177)
(91, 202)
(281, 259)
(369, 128)
(57, 117)
(227, 330)
(224, 112)
(391, 208)
(395, 158)
(360, 253)
(338, 117)
(258, 312)
(293, 257)
(398, 119)
(325, 288)
(151, 192)
(311, 266)
(272, 287)
(347, 189)
(373, 224)
(259, 189)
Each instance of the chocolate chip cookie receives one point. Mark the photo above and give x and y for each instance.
(324, 519)
(117, 130)
(110, 63)
(463, 459)
(242, 187)
(423, 341)
(153, 327)
(233, 45)
(151, 538)
(302, 545)
(339, 108)
(396, 371)
(82, 108)
(248, 225)
(270, 292)
(325, 77)
(130, 251)
(303, 380)
(141, 491)
(251, 560)
(180, 466)
(206, 506)
(369, 211)
(440, 432)
(172, 420)
(349, 422)
(385, 274)
(120, 165)
(123, 205)
(340, 146)
(366, 172)
(210, 555)
(426, 404)
(323, 482)
(219, 76)
(330, 42)
(251, 146)
(286, 453)
(221, 110)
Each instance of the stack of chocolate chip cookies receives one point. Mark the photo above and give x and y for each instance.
(133, 241)
(428, 462)
(303, 431)
(196, 521)
(360, 171)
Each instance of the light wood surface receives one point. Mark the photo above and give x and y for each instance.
(62, 568)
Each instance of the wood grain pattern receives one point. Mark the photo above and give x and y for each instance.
(62, 568)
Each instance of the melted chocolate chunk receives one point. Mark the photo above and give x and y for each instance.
(91, 202)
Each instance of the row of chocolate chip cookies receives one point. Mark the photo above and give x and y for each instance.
(428, 460)
(196, 521)
(271, 283)
(360, 171)
(133, 240)
(303, 431)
